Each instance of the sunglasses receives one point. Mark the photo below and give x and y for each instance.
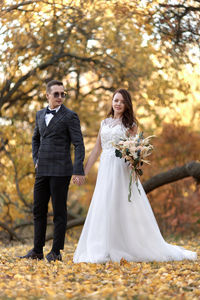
(57, 94)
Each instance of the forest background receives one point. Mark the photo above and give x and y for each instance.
(149, 47)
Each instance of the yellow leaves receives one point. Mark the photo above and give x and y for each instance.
(68, 295)
(124, 280)
(161, 270)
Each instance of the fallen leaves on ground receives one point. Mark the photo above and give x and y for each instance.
(31, 279)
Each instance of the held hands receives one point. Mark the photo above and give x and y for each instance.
(78, 179)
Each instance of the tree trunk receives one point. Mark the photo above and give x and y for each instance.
(190, 169)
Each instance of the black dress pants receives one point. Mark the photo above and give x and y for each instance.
(55, 187)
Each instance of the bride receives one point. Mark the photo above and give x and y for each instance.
(115, 228)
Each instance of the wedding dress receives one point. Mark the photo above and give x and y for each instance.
(115, 228)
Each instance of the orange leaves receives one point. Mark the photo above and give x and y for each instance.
(123, 262)
(176, 205)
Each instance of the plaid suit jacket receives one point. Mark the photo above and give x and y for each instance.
(51, 144)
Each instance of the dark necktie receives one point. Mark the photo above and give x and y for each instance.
(53, 112)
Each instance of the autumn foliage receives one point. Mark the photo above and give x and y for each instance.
(176, 205)
(96, 47)
(22, 279)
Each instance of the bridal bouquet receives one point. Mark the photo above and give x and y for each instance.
(134, 150)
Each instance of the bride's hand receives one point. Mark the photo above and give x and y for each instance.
(78, 179)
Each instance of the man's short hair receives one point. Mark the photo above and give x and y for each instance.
(51, 83)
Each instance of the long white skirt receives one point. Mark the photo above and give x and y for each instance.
(115, 228)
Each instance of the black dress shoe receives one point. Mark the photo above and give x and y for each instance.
(33, 255)
(52, 256)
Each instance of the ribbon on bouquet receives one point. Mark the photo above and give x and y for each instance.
(133, 176)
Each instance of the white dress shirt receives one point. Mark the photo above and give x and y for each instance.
(48, 117)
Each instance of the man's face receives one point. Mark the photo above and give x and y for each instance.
(56, 96)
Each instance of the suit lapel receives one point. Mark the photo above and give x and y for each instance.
(42, 123)
(58, 116)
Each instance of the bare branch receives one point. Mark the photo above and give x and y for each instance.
(16, 6)
(11, 232)
(186, 8)
(54, 59)
(70, 224)
(16, 175)
(191, 169)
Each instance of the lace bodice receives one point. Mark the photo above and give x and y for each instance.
(112, 130)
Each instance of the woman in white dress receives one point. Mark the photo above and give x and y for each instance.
(115, 228)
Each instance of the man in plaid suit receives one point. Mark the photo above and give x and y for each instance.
(56, 128)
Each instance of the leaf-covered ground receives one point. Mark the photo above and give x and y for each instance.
(28, 279)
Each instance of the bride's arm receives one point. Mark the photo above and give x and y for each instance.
(93, 155)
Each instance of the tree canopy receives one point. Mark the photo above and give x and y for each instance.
(96, 46)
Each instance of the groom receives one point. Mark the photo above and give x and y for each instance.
(56, 128)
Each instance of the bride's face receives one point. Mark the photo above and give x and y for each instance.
(118, 104)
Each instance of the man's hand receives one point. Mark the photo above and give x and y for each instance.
(78, 179)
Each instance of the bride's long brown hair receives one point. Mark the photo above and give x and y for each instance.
(128, 117)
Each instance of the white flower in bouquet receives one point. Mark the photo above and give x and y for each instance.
(134, 150)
